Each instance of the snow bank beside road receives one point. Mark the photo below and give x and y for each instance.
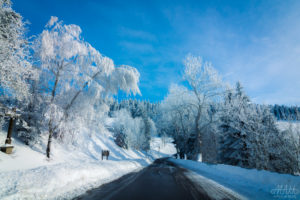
(251, 183)
(27, 174)
(213, 189)
(64, 180)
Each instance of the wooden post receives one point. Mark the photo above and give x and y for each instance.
(9, 132)
(10, 127)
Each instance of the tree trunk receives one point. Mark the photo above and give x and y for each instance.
(198, 141)
(57, 76)
(49, 143)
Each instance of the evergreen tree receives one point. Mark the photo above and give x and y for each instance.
(233, 136)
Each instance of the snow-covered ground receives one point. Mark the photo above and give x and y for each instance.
(163, 145)
(249, 183)
(27, 174)
(213, 189)
(294, 126)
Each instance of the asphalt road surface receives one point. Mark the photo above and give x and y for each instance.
(162, 180)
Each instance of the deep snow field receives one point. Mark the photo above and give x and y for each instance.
(294, 126)
(27, 174)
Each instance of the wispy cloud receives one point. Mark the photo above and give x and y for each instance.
(137, 47)
(256, 42)
(258, 45)
(137, 34)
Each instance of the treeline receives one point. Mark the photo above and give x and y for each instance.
(136, 107)
(283, 112)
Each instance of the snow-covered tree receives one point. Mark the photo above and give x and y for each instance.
(15, 69)
(177, 119)
(17, 75)
(70, 66)
(233, 148)
(284, 149)
(250, 138)
(206, 86)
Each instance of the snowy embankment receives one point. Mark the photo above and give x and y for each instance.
(27, 174)
(249, 183)
(294, 126)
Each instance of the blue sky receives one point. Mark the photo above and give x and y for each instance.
(256, 42)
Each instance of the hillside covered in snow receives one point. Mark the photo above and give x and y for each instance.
(28, 174)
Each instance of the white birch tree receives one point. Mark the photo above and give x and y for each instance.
(206, 86)
(71, 66)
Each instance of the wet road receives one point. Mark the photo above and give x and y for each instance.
(162, 180)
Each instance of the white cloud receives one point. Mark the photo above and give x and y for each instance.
(52, 20)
